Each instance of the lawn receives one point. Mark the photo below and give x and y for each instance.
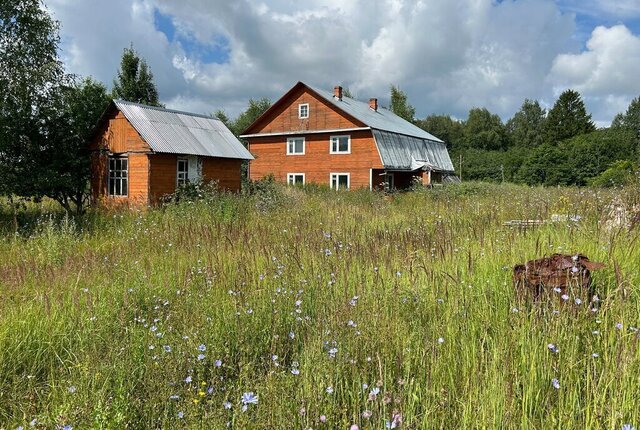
(292, 309)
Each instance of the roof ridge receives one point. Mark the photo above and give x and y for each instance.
(161, 109)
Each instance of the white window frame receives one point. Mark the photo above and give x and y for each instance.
(289, 145)
(300, 107)
(292, 176)
(121, 180)
(337, 176)
(337, 149)
(182, 176)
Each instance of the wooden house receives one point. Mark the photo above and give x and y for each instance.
(139, 154)
(313, 135)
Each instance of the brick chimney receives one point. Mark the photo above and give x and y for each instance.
(373, 104)
(337, 92)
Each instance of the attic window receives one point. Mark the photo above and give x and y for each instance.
(303, 110)
(118, 175)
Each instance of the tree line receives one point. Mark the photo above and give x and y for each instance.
(558, 147)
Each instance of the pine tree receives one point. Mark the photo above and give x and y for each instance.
(567, 118)
(135, 80)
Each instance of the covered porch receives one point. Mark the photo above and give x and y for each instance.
(397, 179)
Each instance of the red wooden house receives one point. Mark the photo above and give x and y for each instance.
(312, 135)
(139, 154)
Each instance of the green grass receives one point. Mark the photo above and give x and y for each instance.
(88, 308)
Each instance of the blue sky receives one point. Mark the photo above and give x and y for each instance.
(448, 56)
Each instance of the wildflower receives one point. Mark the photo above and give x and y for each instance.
(440, 340)
(298, 303)
(595, 355)
(33, 422)
(555, 383)
(375, 391)
(180, 414)
(227, 405)
(354, 427)
(365, 386)
(553, 348)
(628, 427)
(202, 348)
(323, 418)
(578, 302)
(218, 363)
(574, 269)
(367, 414)
(333, 352)
(167, 348)
(274, 357)
(515, 310)
(295, 371)
(154, 328)
(557, 290)
(329, 390)
(564, 297)
(619, 326)
(200, 357)
(174, 397)
(72, 389)
(292, 335)
(67, 427)
(249, 399)
(302, 411)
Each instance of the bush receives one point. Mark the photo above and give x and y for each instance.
(618, 174)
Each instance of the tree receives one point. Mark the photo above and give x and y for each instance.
(630, 119)
(444, 127)
(567, 118)
(484, 130)
(135, 80)
(400, 106)
(31, 83)
(66, 163)
(252, 113)
(525, 126)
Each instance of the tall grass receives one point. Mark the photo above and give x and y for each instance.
(313, 301)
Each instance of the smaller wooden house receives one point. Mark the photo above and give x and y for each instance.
(139, 154)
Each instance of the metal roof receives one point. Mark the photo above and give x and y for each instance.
(381, 119)
(402, 152)
(175, 132)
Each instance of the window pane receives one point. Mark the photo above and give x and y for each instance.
(344, 144)
(299, 146)
(343, 181)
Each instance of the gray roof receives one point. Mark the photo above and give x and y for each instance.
(175, 132)
(382, 119)
(404, 152)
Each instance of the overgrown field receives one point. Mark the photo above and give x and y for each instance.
(333, 309)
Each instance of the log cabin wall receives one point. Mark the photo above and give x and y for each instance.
(227, 171)
(163, 169)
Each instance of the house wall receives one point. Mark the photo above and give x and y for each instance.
(322, 116)
(227, 171)
(317, 163)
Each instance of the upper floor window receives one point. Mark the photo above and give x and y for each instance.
(303, 110)
(182, 176)
(295, 146)
(340, 145)
(118, 175)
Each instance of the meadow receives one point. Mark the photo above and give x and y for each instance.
(312, 309)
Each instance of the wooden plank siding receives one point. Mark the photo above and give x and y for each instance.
(163, 170)
(227, 171)
(322, 116)
(317, 163)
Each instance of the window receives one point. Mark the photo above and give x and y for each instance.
(182, 176)
(303, 110)
(295, 178)
(340, 181)
(118, 175)
(295, 146)
(340, 145)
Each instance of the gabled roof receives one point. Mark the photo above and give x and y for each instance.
(381, 119)
(175, 132)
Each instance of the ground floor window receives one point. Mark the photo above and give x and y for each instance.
(118, 175)
(295, 178)
(340, 181)
(183, 171)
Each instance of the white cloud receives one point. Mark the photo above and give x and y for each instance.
(448, 56)
(606, 74)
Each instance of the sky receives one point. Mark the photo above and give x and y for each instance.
(447, 55)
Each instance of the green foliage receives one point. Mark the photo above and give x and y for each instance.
(444, 127)
(484, 130)
(255, 109)
(135, 80)
(400, 106)
(525, 128)
(87, 313)
(630, 119)
(618, 174)
(567, 118)
(31, 83)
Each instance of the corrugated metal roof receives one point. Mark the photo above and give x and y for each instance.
(176, 132)
(382, 119)
(399, 151)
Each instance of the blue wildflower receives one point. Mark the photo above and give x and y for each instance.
(202, 347)
(201, 357)
(555, 383)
